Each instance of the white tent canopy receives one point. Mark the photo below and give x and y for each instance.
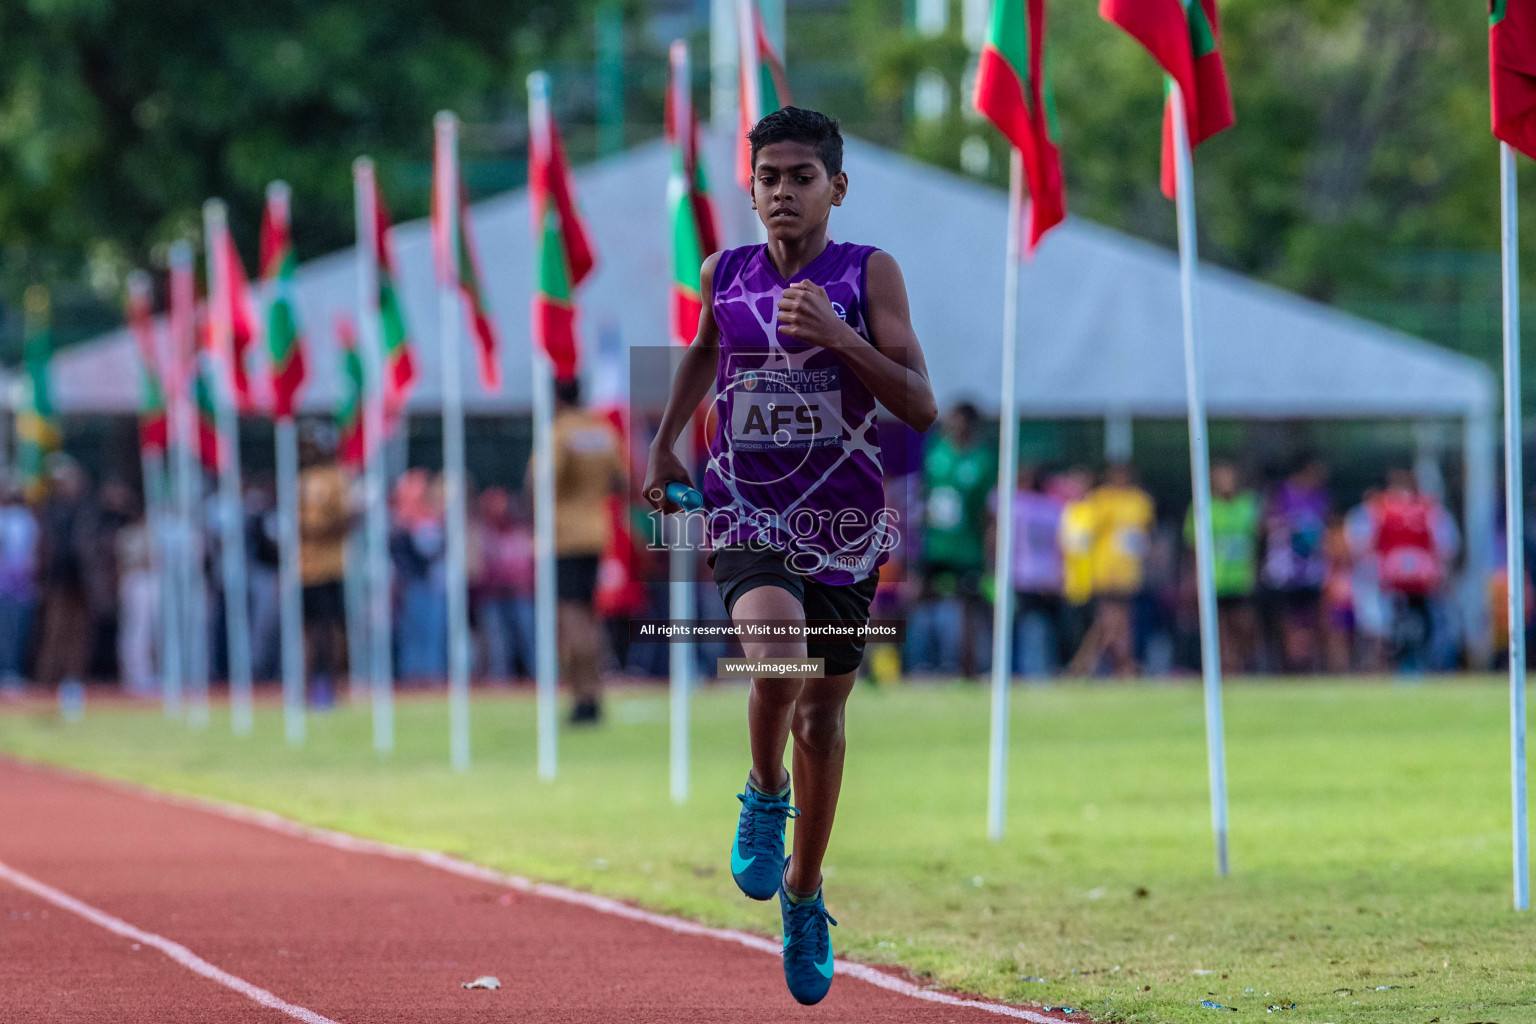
(1100, 328)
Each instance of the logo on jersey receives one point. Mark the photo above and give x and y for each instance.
(747, 381)
(842, 313)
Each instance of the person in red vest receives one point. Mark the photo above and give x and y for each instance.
(1415, 540)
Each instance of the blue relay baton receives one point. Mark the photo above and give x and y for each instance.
(679, 493)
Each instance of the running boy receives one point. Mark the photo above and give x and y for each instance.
(800, 336)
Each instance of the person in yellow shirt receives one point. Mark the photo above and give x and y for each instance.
(1118, 521)
(1076, 539)
(589, 468)
(325, 516)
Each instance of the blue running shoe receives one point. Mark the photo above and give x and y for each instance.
(757, 858)
(807, 948)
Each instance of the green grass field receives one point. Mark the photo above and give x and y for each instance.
(1370, 833)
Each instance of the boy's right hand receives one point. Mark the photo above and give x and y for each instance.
(662, 468)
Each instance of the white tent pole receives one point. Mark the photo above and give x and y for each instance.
(370, 347)
(290, 587)
(451, 314)
(194, 587)
(546, 663)
(1514, 517)
(356, 594)
(1007, 485)
(722, 64)
(237, 610)
(680, 558)
(1200, 471)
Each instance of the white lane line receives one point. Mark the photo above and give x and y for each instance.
(175, 950)
(275, 822)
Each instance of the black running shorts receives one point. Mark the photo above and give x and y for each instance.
(740, 569)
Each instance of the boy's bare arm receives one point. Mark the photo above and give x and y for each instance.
(695, 376)
(891, 365)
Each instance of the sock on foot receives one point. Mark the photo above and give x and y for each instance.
(794, 896)
(752, 781)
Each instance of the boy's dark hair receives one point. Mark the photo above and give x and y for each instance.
(795, 124)
(568, 391)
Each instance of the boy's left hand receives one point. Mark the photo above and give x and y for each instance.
(806, 314)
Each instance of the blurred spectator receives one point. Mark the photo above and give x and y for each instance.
(1372, 616)
(1120, 517)
(263, 554)
(325, 516)
(503, 592)
(18, 587)
(1338, 597)
(66, 545)
(1037, 574)
(418, 547)
(1415, 540)
(1235, 550)
(139, 600)
(1295, 565)
(589, 469)
(1076, 541)
(115, 508)
(959, 472)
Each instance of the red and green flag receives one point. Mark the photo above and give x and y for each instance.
(350, 447)
(1184, 36)
(394, 333)
(37, 427)
(694, 234)
(564, 253)
(154, 433)
(285, 343)
(762, 83)
(1512, 70)
(462, 269)
(242, 323)
(1013, 92)
(205, 394)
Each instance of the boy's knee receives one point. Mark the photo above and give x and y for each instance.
(819, 730)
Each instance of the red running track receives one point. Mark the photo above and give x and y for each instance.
(192, 915)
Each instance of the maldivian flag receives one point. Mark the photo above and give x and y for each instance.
(762, 84)
(153, 428)
(285, 344)
(350, 448)
(394, 335)
(205, 394)
(1512, 69)
(1012, 92)
(1185, 38)
(463, 271)
(37, 429)
(242, 324)
(694, 235)
(564, 253)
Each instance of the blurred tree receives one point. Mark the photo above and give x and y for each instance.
(117, 117)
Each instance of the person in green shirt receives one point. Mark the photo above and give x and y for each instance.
(959, 472)
(1235, 515)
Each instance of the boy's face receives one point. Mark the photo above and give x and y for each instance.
(791, 190)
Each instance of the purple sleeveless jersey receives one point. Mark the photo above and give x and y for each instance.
(794, 462)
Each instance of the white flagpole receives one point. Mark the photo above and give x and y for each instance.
(450, 305)
(189, 491)
(158, 514)
(370, 347)
(1200, 471)
(1514, 517)
(546, 663)
(680, 560)
(290, 586)
(237, 611)
(1007, 483)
